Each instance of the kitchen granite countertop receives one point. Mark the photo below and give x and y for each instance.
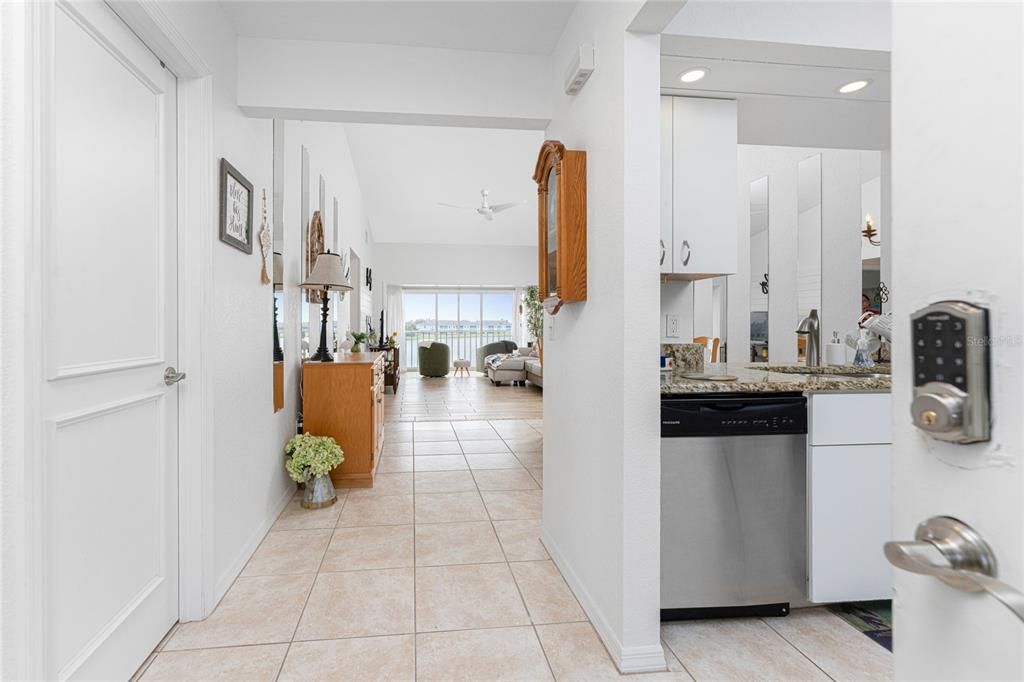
(779, 379)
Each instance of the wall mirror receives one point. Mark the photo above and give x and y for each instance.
(808, 245)
(759, 280)
(304, 216)
(874, 292)
(277, 274)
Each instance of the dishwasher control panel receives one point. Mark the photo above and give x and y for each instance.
(951, 365)
(733, 415)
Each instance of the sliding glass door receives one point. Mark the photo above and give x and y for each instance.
(464, 320)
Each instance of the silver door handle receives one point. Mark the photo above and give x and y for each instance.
(662, 261)
(684, 252)
(953, 552)
(172, 376)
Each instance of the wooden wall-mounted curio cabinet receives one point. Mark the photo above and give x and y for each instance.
(561, 177)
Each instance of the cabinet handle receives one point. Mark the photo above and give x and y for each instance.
(662, 261)
(685, 252)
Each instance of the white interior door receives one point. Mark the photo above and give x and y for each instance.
(110, 494)
(958, 164)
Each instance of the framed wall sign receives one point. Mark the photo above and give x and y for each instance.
(235, 208)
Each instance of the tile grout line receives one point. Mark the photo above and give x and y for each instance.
(672, 651)
(519, 590)
(798, 649)
(312, 586)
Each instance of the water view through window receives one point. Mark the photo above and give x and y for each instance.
(462, 320)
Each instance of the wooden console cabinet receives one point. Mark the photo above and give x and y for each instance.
(344, 399)
(392, 367)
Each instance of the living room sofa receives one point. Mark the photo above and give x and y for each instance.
(496, 348)
(535, 371)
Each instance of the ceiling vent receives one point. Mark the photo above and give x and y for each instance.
(580, 68)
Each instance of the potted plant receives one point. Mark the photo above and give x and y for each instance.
(310, 460)
(534, 314)
(358, 339)
(393, 340)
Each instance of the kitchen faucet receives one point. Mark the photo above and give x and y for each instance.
(811, 328)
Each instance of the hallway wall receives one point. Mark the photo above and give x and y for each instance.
(251, 485)
(465, 264)
(601, 436)
(329, 157)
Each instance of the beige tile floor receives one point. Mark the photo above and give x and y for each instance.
(438, 573)
(461, 398)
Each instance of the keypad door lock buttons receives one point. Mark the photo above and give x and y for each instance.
(951, 398)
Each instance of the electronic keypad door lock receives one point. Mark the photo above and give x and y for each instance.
(950, 340)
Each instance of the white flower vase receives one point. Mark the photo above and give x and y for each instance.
(319, 493)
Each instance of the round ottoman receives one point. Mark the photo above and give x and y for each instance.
(461, 366)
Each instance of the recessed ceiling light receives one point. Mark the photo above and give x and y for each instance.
(853, 86)
(693, 75)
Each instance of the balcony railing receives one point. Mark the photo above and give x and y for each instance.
(463, 344)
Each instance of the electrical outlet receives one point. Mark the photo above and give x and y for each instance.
(672, 324)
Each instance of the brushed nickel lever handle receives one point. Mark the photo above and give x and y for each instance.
(953, 552)
(172, 376)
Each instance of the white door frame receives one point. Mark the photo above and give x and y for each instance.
(26, 76)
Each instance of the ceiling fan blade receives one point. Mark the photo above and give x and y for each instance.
(502, 207)
(464, 208)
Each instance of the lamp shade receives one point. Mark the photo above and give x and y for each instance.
(328, 273)
(278, 269)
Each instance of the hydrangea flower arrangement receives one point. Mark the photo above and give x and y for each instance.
(310, 456)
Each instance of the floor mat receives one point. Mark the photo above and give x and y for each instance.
(873, 618)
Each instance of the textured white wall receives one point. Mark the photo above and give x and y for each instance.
(331, 158)
(601, 443)
(356, 83)
(251, 483)
(445, 265)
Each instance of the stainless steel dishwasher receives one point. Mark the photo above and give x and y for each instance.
(733, 505)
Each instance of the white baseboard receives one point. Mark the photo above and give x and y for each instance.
(227, 578)
(639, 659)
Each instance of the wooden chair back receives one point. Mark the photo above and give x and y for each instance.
(703, 340)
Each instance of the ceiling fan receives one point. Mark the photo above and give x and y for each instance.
(485, 209)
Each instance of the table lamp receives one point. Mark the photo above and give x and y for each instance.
(328, 275)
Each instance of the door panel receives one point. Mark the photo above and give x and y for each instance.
(110, 328)
(958, 166)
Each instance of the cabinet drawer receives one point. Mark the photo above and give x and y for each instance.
(849, 418)
(849, 519)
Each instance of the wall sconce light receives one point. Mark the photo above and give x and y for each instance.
(869, 232)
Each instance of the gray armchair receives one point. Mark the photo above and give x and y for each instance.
(434, 360)
(492, 349)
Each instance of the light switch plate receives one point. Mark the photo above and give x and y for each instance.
(672, 324)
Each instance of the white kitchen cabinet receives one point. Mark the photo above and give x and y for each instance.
(849, 496)
(666, 185)
(703, 187)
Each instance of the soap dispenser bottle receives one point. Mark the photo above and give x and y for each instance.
(862, 358)
(835, 351)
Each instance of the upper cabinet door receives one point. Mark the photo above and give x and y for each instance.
(666, 186)
(704, 182)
